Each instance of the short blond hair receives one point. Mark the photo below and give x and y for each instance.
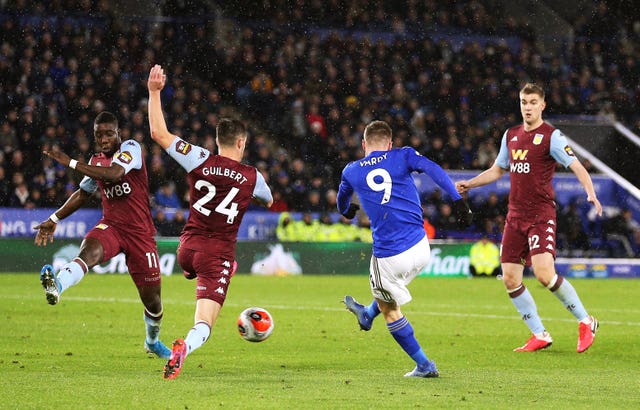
(532, 88)
(377, 131)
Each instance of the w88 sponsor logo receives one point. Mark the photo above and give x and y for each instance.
(117, 190)
(520, 167)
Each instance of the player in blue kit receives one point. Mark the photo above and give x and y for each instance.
(388, 194)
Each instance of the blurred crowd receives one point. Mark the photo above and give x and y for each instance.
(322, 229)
(304, 78)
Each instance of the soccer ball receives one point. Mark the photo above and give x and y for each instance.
(255, 324)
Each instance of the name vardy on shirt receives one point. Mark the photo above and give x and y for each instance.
(373, 160)
(225, 172)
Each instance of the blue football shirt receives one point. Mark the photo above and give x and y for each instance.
(389, 196)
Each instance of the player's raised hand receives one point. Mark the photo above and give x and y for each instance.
(595, 203)
(45, 232)
(58, 156)
(157, 78)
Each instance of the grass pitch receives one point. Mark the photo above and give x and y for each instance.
(87, 351)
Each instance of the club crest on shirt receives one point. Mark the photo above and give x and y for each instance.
(569, 151)
(537, 139)
(125, 157)
(183, 147)
(102, 226)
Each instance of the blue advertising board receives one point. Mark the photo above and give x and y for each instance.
(19, 223)
(598, 268)
(261, 225)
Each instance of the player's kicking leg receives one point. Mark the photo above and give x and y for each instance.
(363, 313)
(68, 275)
(50, 284)
(174, 365)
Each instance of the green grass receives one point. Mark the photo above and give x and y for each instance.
(87, 352)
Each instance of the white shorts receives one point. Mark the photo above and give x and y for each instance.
(390, 276)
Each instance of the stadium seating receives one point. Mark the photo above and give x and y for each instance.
(444, 78)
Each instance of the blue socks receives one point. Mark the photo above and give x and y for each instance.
(71, 273)
(526, 306)
(564, 291)
(152, 324)
(372, 310)
(561, 288)
(402, 332)
(196, 337)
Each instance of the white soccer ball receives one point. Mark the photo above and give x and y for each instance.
(255, 324)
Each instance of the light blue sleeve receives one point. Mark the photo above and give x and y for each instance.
(188, 156)
(88, 185)
(502, 160)
(129, 156)
(262, 191)
(560, 149)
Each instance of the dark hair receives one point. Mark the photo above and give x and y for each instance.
(229, 130)
(377, 131)
(105, 117)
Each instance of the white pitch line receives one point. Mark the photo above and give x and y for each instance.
(451, 314)
(169, 301)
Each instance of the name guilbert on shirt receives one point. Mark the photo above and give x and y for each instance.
(225, 172)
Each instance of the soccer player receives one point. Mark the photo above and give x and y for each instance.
(119, 172)
(529, 153)
(388, 194)
(221, 189)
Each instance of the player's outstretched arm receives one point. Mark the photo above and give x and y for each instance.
(112, 173)
(47, 228)
(486, 177)
(583, 176)
(157, 124)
